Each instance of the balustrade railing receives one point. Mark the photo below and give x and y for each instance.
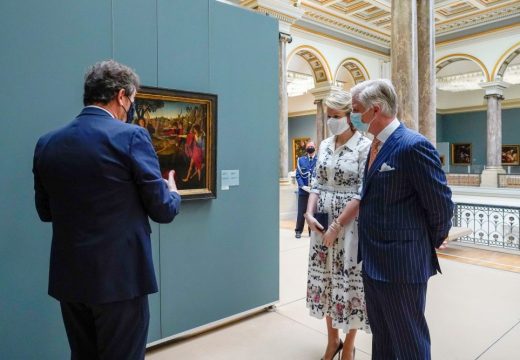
(492, 226)
(508, 181)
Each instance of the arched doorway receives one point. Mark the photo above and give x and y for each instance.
(307, 68)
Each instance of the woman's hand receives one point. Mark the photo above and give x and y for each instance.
(332, 233)
(330, 236)
(313, 223)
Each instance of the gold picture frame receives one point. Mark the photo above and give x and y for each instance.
(182, 126)
(461, 154)
(298, 146)
(510, 155)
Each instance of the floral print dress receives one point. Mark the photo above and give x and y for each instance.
(335, 285)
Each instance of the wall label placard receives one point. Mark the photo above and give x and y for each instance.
(229, 178)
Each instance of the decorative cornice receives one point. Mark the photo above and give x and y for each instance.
(287, 12)
(327, 36)
(477, 35)
(332, 20)
(506, 104)
(476, 19)
(303, 113)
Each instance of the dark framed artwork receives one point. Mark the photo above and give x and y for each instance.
(182, 126)
(461, 154)
(443, 159)
(510, 155)
(298, 146)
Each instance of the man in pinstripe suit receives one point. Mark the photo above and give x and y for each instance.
(405, 213)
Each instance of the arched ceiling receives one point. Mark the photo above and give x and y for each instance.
(460, 73)
(354, 70)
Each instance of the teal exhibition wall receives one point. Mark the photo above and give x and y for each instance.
(300, 126)
(470, 127)
(219, 257)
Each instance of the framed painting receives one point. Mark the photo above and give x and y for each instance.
(182, 126)
(510, 155)
(298, 146)
(461, 154)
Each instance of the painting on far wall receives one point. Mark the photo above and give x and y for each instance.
(182, 126)
(443, 160)
(510, 155)
(298, 145)
(461, 154)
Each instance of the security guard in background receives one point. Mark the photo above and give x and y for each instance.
(305, 167)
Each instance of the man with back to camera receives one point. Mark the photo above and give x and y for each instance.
(405, 213)
(305, 166)
(97, 179)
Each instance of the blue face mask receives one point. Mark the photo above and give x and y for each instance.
(355, 119)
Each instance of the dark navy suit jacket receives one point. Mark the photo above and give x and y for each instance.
(304, 172)
(404, 213)
(97, 180)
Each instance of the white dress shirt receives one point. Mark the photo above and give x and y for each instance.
(387, 131)
(99, 107)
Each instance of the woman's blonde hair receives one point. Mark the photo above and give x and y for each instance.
(339, 100)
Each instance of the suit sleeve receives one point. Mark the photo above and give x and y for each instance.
(299, 178)
(161, 205)
(41, 198)
(429, 182)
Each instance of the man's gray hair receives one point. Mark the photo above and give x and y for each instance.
(104, 79)
(379, 92)
(339, 100)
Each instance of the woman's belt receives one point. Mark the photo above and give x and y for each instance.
(337, 189)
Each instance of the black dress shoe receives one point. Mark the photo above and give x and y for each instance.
(298, 235)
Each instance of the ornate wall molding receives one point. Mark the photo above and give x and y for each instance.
(332, 20)
(477, 19)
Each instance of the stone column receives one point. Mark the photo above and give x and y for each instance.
(320, 92)
(321, 123)
(494, 95)
(404, 60)
(283, 106)
(426, 69)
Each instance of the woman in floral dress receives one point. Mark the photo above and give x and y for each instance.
(334, 285)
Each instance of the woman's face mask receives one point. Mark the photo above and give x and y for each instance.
(337, 126)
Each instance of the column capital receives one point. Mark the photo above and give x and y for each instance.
(321, 91)
(286, 11)
(284, 37)
(495, 88)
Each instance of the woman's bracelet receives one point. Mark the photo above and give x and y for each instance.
(335, 225)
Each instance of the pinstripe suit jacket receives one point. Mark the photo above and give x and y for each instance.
(404, 213)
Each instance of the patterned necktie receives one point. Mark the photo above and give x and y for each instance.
(374, 149)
